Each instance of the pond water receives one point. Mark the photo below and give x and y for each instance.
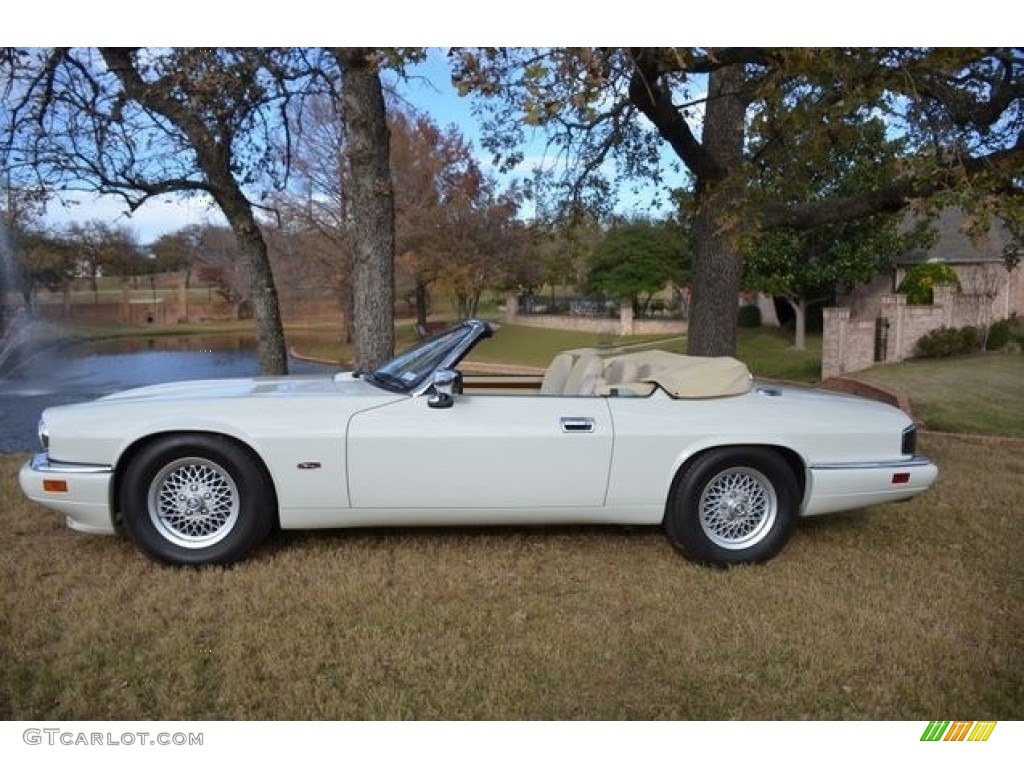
(35, 378)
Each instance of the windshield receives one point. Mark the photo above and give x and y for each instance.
(411, 368)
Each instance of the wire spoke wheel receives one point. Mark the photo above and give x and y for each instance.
(734, 505)
(193, 502)
(738, 508)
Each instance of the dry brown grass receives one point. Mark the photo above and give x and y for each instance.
(909, 611)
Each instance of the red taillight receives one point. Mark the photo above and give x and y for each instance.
(55, 486)
(901, 478)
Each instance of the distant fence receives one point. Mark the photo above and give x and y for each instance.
(162, 311)
(596, 315)
(596, 306)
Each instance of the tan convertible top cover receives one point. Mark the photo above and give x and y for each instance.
(691, 377)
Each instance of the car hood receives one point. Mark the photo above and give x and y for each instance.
(811, 397)
(268, 386)
(806, 410)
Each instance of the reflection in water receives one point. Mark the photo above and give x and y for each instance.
(61, 374)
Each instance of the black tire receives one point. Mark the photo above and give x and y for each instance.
(732, 506)
(196, 499)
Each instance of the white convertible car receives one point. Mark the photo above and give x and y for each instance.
(201, 472)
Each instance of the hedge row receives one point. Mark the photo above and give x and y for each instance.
(945, 342)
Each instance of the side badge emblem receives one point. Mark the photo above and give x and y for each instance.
(309, 465)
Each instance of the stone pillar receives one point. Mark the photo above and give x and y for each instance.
(124, 313)
(626, 317)
(511, 307)
(894, 309)
(836, 321)
(182, 298)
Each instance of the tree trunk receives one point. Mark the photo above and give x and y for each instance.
(717, 265)
(800, 322)
(266, 313)
(216, 162)
(372, 207)
(422, 302)
(717, 277)
(347, 312)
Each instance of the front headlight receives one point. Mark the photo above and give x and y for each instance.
(44, 435)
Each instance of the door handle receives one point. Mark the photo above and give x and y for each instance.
(577, 424)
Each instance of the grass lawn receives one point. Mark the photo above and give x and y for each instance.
(895, 612)
(982, 394)
(94, 330)
(512, 344)
(768, 352)
(537, 346)
(900, 611)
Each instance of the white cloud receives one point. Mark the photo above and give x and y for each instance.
(157, 217)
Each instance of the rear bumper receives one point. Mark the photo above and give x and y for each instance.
(837, 487)
(79, 491)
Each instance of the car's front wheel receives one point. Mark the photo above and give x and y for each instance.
(196, 499)
(732, 506)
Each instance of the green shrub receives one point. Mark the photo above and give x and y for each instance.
(998, 335)
(945, 342)
(921, 279)
(937, 343)
(1016, 325)
(969, 341)
(750, 316)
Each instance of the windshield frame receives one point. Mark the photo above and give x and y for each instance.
(412, 371)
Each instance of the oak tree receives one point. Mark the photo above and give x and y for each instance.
(371, 204)
(962, 111)
(806, 266)
(141, 123)
(637, 259)
(102, 249)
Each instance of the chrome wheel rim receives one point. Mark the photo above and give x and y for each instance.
(738, 508)
(193, 502)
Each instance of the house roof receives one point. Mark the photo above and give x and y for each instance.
(952, 246)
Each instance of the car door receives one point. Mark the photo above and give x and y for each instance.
(483, 452)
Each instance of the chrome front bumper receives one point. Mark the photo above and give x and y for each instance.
(42, 462)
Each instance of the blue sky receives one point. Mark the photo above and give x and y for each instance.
(527, 22)
(427, 88)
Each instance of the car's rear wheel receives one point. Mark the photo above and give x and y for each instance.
(733, 505)
(196, 499)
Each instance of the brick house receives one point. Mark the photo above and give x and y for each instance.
(872, 324)
(976, 263)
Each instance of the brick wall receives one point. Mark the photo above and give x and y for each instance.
(849, 344)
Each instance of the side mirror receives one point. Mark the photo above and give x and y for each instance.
(446, 384)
